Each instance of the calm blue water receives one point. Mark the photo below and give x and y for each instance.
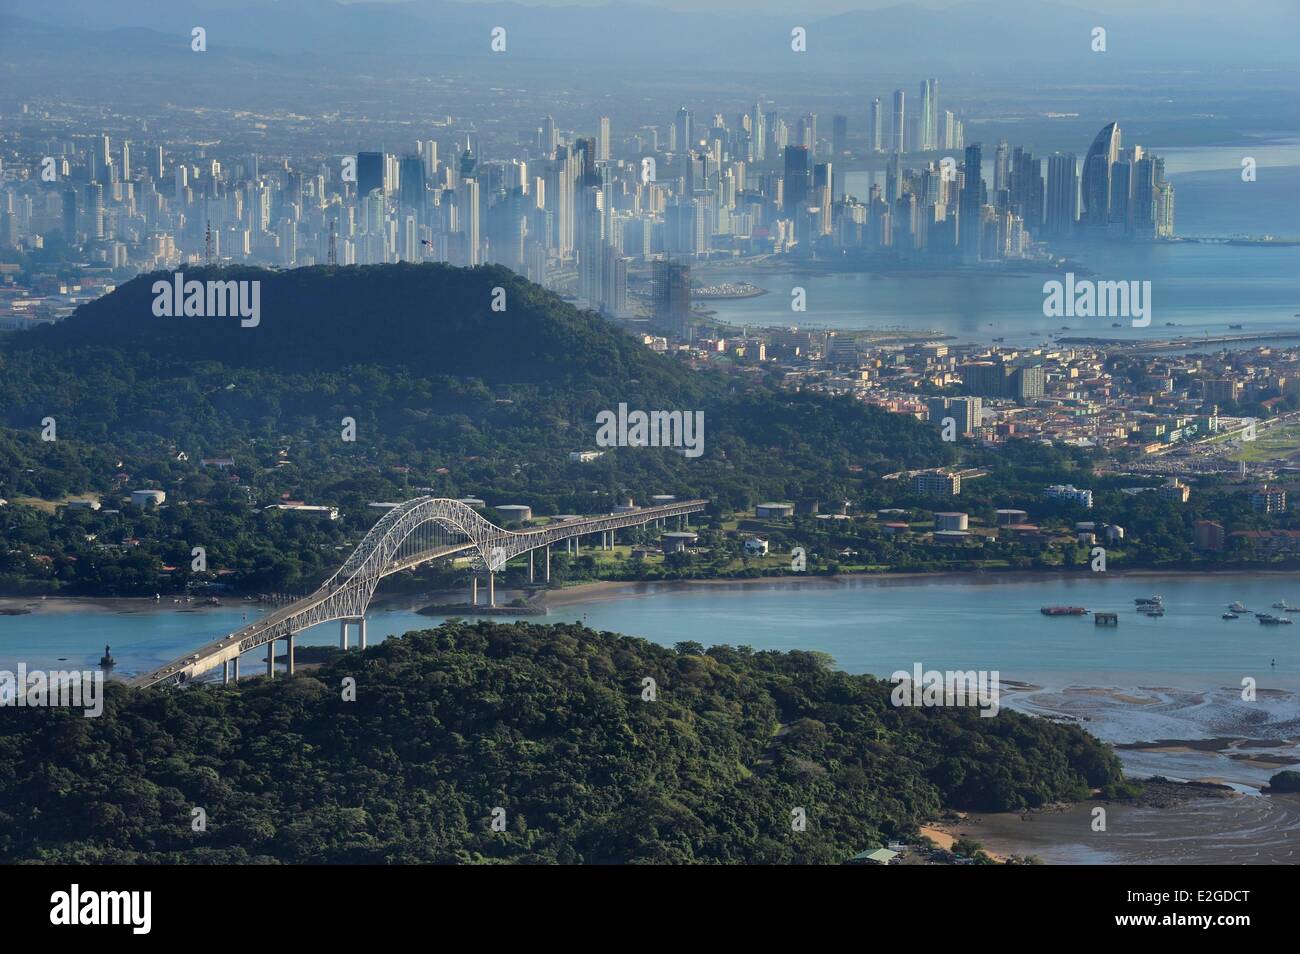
(1202, 289)
(868, 625)
(1177, 677)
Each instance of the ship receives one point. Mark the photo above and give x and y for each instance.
(1230, 616)
(1268, 619)
(1149, 601)
(1237, 607)
(1063, 611)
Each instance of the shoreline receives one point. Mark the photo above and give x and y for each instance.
(603, 590)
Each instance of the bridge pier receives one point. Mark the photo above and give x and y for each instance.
(225, 673)
(270, 660)
(530, 566)
(236, 668)
(289, 666)
(492, 588)
(343, 634)
(473, 589)
(361, 627)
(548, 563)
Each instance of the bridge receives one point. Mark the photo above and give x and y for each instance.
(413, 533)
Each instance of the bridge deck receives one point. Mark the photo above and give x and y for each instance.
(321, 606)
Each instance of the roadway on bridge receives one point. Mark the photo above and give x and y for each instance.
(322, 605)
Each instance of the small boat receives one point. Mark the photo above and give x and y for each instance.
(1230, 616)
(1150, 601)
(1063, 611)
(1267, 619)
(1235, 327)
(1237, 607)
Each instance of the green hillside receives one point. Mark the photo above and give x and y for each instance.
(545, 722)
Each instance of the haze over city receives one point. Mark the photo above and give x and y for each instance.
(586, 433)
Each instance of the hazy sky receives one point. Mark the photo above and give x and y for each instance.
(1256, 8)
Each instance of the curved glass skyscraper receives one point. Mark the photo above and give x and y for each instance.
(1095, 204)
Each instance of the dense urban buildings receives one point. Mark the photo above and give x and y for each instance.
(585, 212)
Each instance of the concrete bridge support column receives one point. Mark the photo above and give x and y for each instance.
(289, 665)
(473, 589)
(236, 673)
(548, 563)
(225, 673)
(343, 634)
(361, 628)
(270, 660)
(492, 588)
(531, 577)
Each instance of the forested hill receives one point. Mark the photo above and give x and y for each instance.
(547, 723)
(432, 318)
(447, 397)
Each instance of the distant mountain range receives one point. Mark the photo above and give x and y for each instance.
(999, 36)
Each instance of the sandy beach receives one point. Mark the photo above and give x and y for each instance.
(1235, 830)
(55, 605)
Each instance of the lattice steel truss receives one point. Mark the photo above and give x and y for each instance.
(416, 532)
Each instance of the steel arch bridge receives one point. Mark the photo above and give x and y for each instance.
(413, 533)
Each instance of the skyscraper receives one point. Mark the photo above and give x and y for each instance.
(899, 138)
(1001, 166)
(1121, 184)
(684, 128)
(797, 181)
(876, 127)
(840, 135)
(467, 202)
(550, 139)
(602, 140)
(1062, 194)
(370, 172)
(972, 204)
(928, 119)
(671, 294)
(1095, 200)
(411, 187)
